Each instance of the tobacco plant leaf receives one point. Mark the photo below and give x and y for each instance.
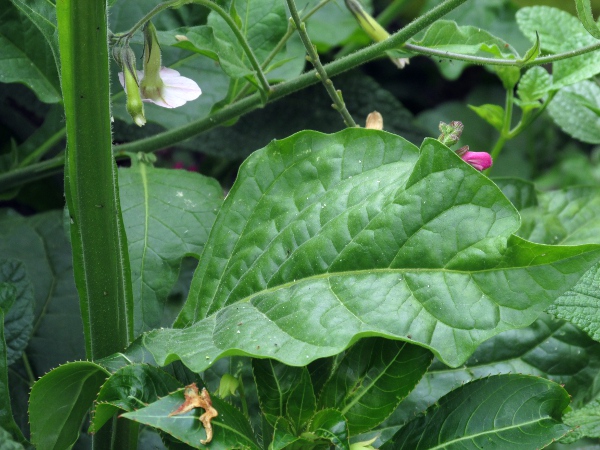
(371, 380)
(358, 234)
(560, 32)
(549, 348)
(59, 402)
(18, 319)
(274, 383)
(576, 110)
(167, 215)
(584, 421)
(504, 411)
(230, 428)
(25, 57)
(131, 388)
(282, 434)
(301, 403)
(40, 242)
(570, 217)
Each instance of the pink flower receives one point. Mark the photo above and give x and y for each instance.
(174, 92)
(479, 160)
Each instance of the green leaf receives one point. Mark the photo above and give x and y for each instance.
(521, 193)
(282, 434)
(504, 411)
(549, 348)
(533, 52)
(534, 85)
(584, 11)
(372, 379)
(18, 319)
(59, 402)
(331, 424)
(167, 215)
(40, 242)
(585, 421)
(8, 295)
(25, 57)
(573, 111)
(274, 384)
(570, 217)
(202, 40)
(560, 32)
(130, 388)
(230, 427)
(492, 114)
(353, 235)
(301, 403)
(7, 442)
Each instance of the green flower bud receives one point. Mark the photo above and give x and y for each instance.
(366, 22)
(152, 84)
(134, 105)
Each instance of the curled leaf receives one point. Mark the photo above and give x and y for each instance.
(193, 399)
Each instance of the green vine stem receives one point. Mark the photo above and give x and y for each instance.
(100, 258)
(313, 57)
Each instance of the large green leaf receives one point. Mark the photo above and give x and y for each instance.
(374, 376)
(550, 348)
(40, 242)
(560, 32)
(25, 57)
(570, 216)
(18, 319)
(504, 411)
(230, 427)
(59, 402)
(326, 239)
(167, 216)
(576, 109)
(131, 388)
(274, 383)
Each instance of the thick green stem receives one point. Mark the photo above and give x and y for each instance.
(336, 96)
(100, 259)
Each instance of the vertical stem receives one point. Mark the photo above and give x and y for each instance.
(100, 259)
(505, 132)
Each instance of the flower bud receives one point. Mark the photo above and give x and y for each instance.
(134, 104)
(479, 160)
(152, 84)
(451, 132)
(374, 121)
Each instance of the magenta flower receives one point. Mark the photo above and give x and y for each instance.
(479, 160)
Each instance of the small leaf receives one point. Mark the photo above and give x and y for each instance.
(230, 427)
(301, 403)
(331, 424)
(131, 388)
(585, 421)
(372, 379)
(533, 52)
(59, 402)
(584, 11)
(534, 85)
(492, 114)
(571, 111)
(282, 434)
(274, 384)
(504, 411)
(7, 442)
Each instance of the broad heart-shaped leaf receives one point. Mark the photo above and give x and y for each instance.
(550, 348)
(59, 402)
(570, 216)
(167, 215)
(230, 427)
(18, 319)
(328, 238)
(130, 388)
(504, 411)
(25, 57)
(576, 110)
(374, 376)
(301, 403)
(560, 32)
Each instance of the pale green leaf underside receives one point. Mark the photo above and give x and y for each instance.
(504, 411)
(325, 239)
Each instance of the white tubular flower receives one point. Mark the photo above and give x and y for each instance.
(160, 85)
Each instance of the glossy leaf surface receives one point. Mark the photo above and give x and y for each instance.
(505, 411)
(59, 402)
(167, 215)
(374, 376)
(356, 234)
(230, 427)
